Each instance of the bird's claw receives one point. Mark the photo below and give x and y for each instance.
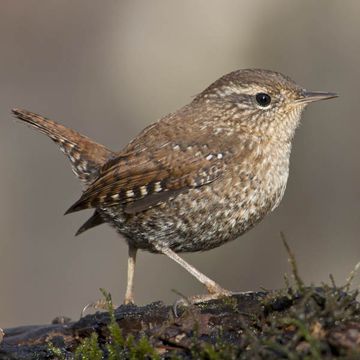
(101, 304)
(197, 299)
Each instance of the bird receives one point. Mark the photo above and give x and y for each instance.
(198, 177)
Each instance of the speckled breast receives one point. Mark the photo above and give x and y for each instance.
(206, 217)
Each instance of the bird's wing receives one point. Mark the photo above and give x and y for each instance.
(146, 179)
(94, 220)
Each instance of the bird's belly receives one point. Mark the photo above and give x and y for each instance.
(200, 219)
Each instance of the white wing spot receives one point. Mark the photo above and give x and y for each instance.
(157, 187)
(130, 193)
(143, 190)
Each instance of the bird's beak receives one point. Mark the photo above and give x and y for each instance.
(311, 96)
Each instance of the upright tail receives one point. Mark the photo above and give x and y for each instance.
(86, 156)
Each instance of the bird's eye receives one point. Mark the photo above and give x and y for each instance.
(263, 99)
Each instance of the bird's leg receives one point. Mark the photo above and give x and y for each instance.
(214, 289)
(129, 295)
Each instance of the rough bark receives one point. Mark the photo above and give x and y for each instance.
(315, 322)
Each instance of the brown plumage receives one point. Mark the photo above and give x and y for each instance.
(197, 178)
(86, 156)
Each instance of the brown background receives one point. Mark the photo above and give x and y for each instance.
(107, 69)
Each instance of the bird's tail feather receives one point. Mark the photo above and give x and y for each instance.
(85, 155)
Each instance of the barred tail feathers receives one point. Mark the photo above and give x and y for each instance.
(85, 155)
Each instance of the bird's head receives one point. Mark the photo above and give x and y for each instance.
(267, 102)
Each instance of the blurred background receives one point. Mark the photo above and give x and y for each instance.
(109, 68)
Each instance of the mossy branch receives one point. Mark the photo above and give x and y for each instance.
(296, 322)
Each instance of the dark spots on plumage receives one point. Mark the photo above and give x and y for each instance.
(137, 192)
(154, 187)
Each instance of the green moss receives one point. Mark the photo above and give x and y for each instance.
(218, 351)
(56, 352)
(297, 319)
(89, 349)
(291, 323)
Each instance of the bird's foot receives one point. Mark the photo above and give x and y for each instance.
(216, 289)
(198, 299)
(100, 304)
(129, 301)
(103, 304)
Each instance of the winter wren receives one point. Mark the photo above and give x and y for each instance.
(198, 177)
